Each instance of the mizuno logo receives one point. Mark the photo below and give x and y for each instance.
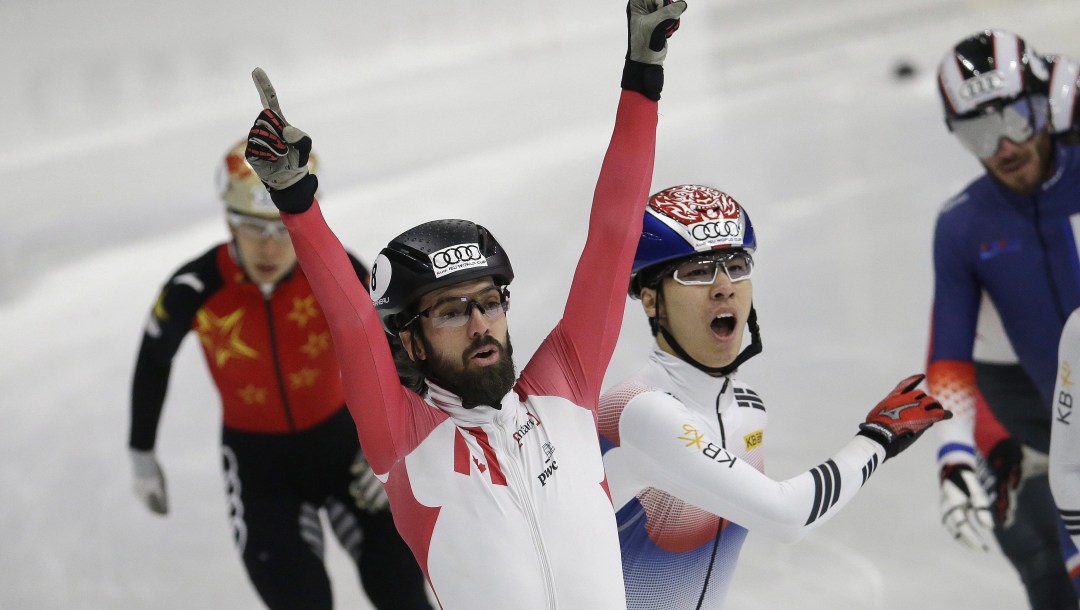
(894, 413)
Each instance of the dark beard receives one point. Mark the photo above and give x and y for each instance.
(475, 386)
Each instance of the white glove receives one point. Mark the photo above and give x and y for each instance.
(366, 489)
(149, 481)
(965, 507)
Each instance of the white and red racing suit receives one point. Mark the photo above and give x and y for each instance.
(684, 457)
(503, 507)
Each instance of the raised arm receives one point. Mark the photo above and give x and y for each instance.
(582, 344)
(379, 405)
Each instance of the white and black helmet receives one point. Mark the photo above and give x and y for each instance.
(430, 256)
(1064, 87)
(989, 66)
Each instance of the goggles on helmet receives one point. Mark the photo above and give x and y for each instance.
(702, 270)
(454, 311)
(1016, 120)
(259, 228)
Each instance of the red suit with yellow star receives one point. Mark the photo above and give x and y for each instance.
(270, 356)
(288, 442)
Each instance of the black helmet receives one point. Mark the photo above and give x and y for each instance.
(430, 256)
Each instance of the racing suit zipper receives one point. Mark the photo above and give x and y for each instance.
(720, 520)
(519, 483)
(277, 364)
(1055, 293)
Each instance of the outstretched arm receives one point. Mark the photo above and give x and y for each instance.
(582, 344)
(672, 450)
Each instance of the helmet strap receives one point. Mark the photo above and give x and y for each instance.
(716, 371)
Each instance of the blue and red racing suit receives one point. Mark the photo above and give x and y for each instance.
(1022, 251)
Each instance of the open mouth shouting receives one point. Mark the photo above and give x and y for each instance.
(723, 326)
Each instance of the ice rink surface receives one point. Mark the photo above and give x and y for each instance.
(116, 115)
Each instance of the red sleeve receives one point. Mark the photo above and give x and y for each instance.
(388, 416)
(988, 430)
(572, 360)
(952, 382)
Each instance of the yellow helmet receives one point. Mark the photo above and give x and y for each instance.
(240, 187)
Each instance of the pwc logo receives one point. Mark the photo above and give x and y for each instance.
(552, 465)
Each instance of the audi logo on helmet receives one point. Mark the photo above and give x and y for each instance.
(982, 85)
(704, 231)
(456, 258)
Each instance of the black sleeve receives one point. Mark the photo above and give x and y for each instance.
(169, 322)
(361, 271)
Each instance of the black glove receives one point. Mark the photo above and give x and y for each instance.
(902, 416)
(278, 152)
(648, 26)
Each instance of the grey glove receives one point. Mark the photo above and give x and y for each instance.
(278, 152)
(149, 481)
(649, 24)
(366, 489)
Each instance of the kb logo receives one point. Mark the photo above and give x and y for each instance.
(455, 258)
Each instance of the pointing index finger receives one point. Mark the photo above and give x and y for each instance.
(266, 91)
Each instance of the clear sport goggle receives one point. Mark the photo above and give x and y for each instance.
(454, 311)
(703, 270)
(261, 228)
(1016, 120)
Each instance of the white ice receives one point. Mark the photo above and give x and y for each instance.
(115, 115)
